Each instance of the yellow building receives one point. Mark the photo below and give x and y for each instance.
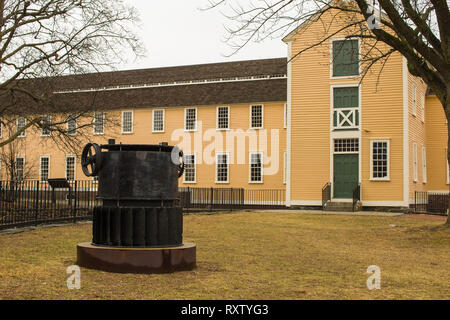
(228, 118)
(309, 124)
(381, 133)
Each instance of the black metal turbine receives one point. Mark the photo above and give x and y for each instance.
(138, 186)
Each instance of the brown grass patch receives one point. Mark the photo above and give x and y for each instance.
(248, 255)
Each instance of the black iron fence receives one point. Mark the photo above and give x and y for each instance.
(28, 203)
(25, 203)
(231, 198)
(428, 202)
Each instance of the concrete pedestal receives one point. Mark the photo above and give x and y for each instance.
(137, 260)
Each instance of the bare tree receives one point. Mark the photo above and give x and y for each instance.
(43, 39)
(418, 29)
(12, 158)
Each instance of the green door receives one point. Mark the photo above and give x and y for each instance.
(345, 175)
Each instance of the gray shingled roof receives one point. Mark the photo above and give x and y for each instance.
(255, 85)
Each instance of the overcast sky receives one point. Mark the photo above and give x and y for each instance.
(176, 32)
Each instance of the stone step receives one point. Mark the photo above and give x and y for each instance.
(341, 206)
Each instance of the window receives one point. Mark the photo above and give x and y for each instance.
(44, 171)
(20, 168)
(158, 120)
(415, 169)
(256, 167)
(256, 113)
(189, 168)
(45, 126)
(424, 164)
(345, 58)
(346, 145)
(99, 123)
(379, 154)
(285, 115)
(190, 119)
(285, 167)
(72, 125)
(21, 122)
(127, 122)
(223, 117)
(346, 108)
(222, 168)
(414, 99)
(70, 168)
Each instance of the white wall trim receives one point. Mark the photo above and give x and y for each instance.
(384, 204)
(289, 128)
(174, 84)
(405, 135)
(306, 203)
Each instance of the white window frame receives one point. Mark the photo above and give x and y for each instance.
(424, 164)
(414, 99)
(24, 132)
(103, 124)
(23, 166)
(74, 119)
(123, 122)
(331, 58)
(251, 116)
(40, 167)
(195, 170)
(415, 163)
(74, 166)
(388, 160)
(250, 167)
(217, 167)
(228, 118)
(284, 167)
(185, 120)
(42, 129)
(163, 120)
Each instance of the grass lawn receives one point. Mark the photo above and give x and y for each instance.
(250, 255)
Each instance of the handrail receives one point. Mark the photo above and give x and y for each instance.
(356, 195)
(326, 193)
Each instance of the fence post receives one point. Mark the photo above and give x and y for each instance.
(212, 199)
(36, 204)
(188, 200)
(75, 202)
(231, 199)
